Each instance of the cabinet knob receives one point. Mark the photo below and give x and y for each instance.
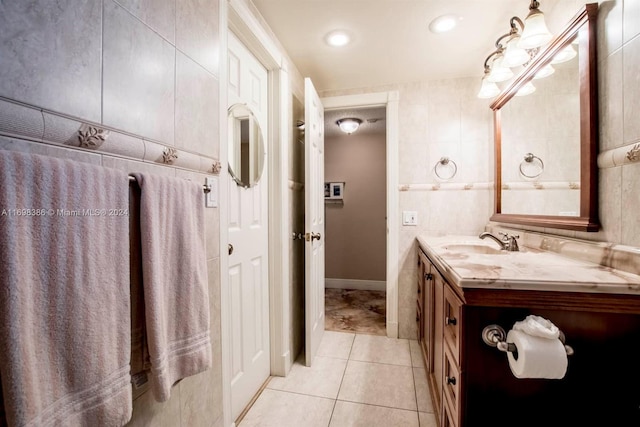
(428, 276)
(451, 380)
(450, 321)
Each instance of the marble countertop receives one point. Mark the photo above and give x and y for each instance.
(529, 269)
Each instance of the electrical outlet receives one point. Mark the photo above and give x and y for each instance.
(409, 218)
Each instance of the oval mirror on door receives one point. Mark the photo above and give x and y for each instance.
(246, 146)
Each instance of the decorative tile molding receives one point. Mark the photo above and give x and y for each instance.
(442, 186)
(633, 155)
(541, 185)
(216, 167)
(620, 156)
(169, 155)
(27, 122)
(92, 137)
(21, 121)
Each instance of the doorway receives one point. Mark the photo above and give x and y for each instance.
(388, 101)
(355, 212)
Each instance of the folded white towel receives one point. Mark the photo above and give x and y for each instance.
(537, 326)
(174, 274)
(64, 292)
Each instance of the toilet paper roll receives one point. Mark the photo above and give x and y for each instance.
(537, 357)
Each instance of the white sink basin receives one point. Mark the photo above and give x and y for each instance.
(473, 248)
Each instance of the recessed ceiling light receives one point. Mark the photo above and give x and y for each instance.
(337, 38)
(444, 23)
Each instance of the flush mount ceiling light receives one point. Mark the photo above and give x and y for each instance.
(337, 38)
(444, 23)
(535, 32)
(349, 125)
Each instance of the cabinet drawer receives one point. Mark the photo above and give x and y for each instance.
(451, 386)
(452, 321)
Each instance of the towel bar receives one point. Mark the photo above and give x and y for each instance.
(206, 188)
(495, 336)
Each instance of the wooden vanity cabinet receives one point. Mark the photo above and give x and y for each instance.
(471, 383)
(431, 294)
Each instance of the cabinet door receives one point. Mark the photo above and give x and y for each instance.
(438, 284)
(427, 312)
(420, 300)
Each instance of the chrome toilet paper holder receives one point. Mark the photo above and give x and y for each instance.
(495, 336)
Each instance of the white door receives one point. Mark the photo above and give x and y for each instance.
(314, 220)
(248, 236)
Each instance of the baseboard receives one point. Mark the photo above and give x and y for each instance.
(365, 285)
(392, 329)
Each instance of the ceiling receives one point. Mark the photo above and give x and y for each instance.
(391, 41)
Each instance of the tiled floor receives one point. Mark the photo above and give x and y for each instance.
(356, 380)
(355, 310)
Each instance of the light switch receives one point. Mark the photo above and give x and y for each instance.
(409, 218)
(211, 198)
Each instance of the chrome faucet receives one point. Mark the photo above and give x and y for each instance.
(507, 243)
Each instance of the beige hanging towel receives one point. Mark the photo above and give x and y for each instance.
(64, 292)
(174, 274)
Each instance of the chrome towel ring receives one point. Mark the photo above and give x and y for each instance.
(532, 166)
(445, 169)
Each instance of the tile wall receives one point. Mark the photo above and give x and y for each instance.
(148, 69)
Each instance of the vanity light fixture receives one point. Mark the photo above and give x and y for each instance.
(514, 55)
(535, 33)
(349, 125)
(499, 73)
(564, 55)
(488, 89)
(514, 49)
(337, 38)
(545, 71)
(527, 89)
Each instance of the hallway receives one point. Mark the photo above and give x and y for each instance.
(356, 380)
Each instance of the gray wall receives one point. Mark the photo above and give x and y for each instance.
(356, 231)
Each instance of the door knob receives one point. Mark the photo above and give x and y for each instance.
(230, 248)
(311, 236)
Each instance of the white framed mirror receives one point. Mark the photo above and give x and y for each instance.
(246, 146)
